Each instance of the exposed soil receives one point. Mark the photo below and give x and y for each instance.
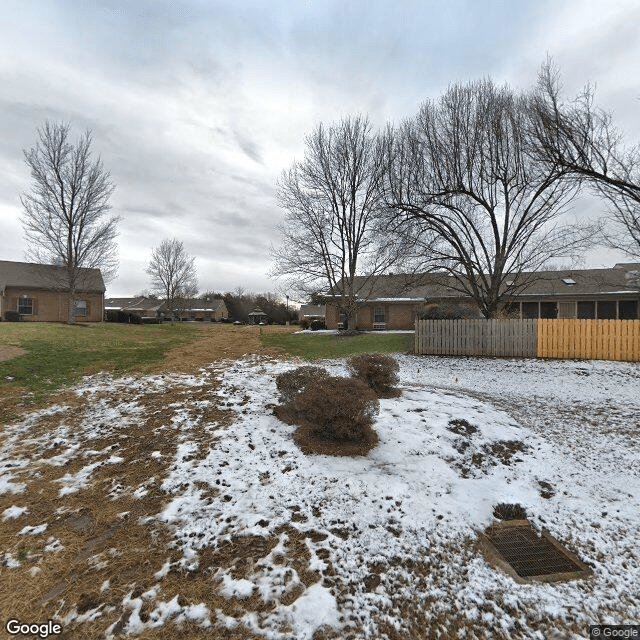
(7, 352)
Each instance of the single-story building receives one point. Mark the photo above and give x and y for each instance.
(204, 309)
(37, 293)
(147, 309)
(140, 309)
(394, 301)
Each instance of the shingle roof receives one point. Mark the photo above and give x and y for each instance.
(312, 310)
(205, 304)
(623, 278)
(134, 304)
(45, 276)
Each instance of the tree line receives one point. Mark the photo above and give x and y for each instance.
(476, 185)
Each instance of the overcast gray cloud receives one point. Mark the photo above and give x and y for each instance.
(196, 106)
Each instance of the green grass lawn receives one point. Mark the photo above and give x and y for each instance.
(312, 346)
(59, 354)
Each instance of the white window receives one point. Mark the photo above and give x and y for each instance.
(378, 314)
(81, 307)
(25, 306)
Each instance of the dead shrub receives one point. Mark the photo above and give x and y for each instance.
(378, 371)
(291, 383)
(335, 417)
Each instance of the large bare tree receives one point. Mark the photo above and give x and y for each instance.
(332, 231)
(173, 275)
(461, 169)
(66, 220)
(581, 138)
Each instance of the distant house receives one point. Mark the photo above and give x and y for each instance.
(144, 309)
(36, 292)
(312, 312)
(394, 301)
(140, 309)
(204, 309)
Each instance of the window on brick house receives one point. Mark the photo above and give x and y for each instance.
(25, 306)
(378, 314)
(81, 307)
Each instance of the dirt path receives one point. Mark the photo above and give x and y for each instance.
(220, 342)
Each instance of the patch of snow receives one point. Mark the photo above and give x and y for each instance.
(73, 482)
(33, 531)
(316, 607)
(10, 562)
(53, 545)
(13, 512)
(164, 570)
(236, 588)
(8, 486)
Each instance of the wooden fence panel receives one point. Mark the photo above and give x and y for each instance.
(589, 339)
(500, 338)
(544, 338)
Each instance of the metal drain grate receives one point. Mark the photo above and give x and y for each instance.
(532, 556)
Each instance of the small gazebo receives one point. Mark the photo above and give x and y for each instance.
(257, 316)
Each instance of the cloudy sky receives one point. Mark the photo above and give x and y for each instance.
(196, 106)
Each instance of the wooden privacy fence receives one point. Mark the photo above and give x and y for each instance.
(564, 338)
(506, 338)
(589, 339)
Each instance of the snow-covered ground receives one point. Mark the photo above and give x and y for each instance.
(385, 543)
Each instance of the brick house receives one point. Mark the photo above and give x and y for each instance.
(134, 310)
(36, 292)
(153, 309)
(393, 301)
(204, 309)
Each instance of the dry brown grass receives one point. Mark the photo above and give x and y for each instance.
(103, 528)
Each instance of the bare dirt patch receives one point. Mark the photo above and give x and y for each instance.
(220, 342)
(7, 352)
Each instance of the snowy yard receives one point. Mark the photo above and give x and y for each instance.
(155, 505)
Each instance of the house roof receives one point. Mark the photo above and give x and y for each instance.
(205, 304)
(140, 303)
(622, 279)
(310, 310)
(45, 276)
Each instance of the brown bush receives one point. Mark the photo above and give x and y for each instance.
(291, 383)
(335, 417)
(378, 371)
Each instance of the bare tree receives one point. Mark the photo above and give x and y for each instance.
(332, 230)
(65, 212)
(461, 169)
(173, 275)
(582, 139)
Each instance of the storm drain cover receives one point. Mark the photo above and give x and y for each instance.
(532, 555)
